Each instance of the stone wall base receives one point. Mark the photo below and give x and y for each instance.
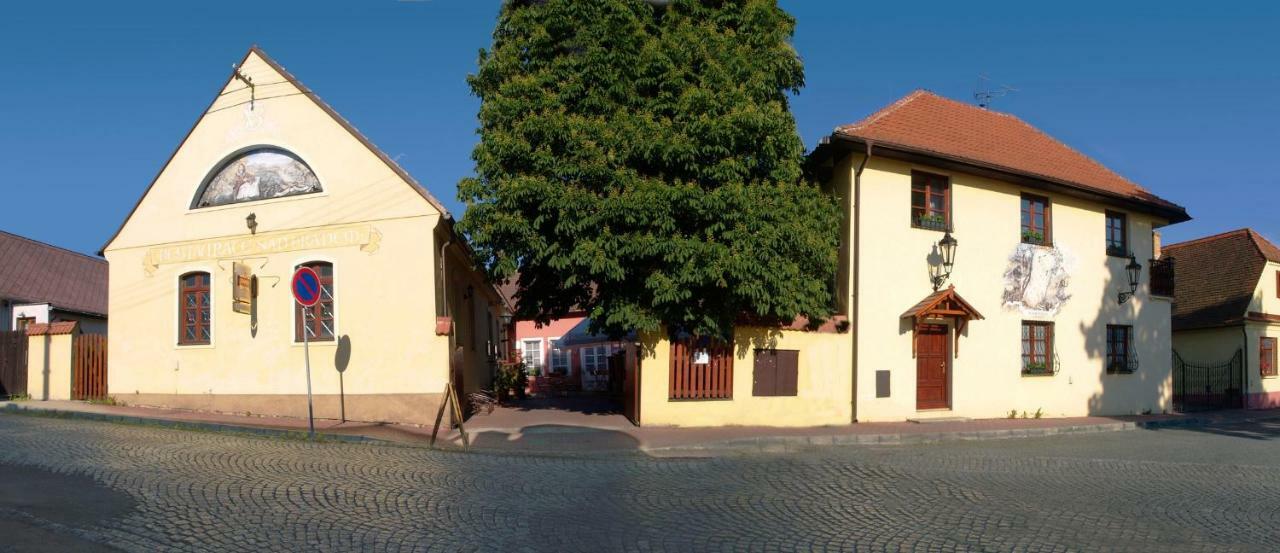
(1263, 400)
(394, 408)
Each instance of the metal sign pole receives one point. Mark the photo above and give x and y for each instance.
(306, 356)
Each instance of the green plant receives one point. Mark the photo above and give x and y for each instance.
(1039, 413)
(1024, 414)
(104, 400)
(931, 221)
(640, 160)
(1032, 237)
(20, 397)
(1035, 367)
(1013, 414)
(510, 379)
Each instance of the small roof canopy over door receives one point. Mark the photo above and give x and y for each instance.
(257, 173)
(943, 304)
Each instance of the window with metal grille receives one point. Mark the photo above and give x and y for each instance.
(1267, 356)
(1037, 348)
(1117, 234)
(1036, 221)
(930, 201)
(1120, 357)
(194, 316)
(320, 319)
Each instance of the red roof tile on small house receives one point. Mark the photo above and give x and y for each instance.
(1215, 277)
(60, 327)
(35, 272)
(926, 123)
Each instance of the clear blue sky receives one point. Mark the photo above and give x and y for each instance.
(94, 96)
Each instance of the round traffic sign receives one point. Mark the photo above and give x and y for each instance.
(306, 286)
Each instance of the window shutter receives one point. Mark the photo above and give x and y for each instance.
(766, 373)
(788, 368)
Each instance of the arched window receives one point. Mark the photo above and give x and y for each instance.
(259, 173)
(194, 317)
(320, 318)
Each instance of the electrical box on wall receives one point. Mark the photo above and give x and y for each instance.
(882, 384)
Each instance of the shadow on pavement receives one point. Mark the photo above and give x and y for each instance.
(554, 439)
(47, 511)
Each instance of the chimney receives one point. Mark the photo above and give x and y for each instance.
(1155, 244)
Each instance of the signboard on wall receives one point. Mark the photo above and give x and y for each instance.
(241, 288)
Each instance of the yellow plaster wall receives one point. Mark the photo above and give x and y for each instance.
(49, 377)
(1256, 383)
(986, 380)
(1210, 345)
(385, 295)
(823, 384)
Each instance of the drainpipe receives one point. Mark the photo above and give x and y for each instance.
(1244, 361)
(855, 327)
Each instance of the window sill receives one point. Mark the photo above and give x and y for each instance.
(935, 228)
(1118, 255)
(194, 346)
(1040, 244)
(316, 343)
(1037, 374)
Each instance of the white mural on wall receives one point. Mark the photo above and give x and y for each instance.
(259, 174)
(1036, 281)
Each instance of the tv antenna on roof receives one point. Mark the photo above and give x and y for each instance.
(983, 93)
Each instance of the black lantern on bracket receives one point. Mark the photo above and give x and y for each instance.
(252, 222)
(1133, 270)
(947, 249)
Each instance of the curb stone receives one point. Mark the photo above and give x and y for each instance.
(188, 425)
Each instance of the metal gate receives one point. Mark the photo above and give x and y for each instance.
(89, 379)
(1206, 386)
(13, 364)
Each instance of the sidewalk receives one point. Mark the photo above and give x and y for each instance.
(559, 431)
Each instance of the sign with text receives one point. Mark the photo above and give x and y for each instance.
(241, 288)
(364, 236)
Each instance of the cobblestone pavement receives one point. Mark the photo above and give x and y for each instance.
(1214, 489)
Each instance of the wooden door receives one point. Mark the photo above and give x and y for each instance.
(631, 384)
(932, 382)
(13, 364)
(89, 376)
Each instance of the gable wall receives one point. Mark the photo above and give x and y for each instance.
(372, 225)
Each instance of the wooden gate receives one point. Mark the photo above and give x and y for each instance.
(89, 375)
(701, 368)
(624, 381)
(13, 364)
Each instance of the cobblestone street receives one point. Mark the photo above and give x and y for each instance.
(1207, 489)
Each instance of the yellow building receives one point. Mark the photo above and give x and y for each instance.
(984, 269)
(1226, 321)
(269, 179)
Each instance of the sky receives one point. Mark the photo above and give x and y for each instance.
(94, 96)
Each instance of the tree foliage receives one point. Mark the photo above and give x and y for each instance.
(642, 162)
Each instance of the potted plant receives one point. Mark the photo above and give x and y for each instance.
(1032, 237)
(1035, 367)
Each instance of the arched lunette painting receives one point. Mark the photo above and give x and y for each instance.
(257, 174)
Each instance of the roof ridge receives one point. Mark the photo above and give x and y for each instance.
(53, 246)
(884, 111)
(1202, 239)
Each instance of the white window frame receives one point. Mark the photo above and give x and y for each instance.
(596, 357)
(524, 355)
(559, 357)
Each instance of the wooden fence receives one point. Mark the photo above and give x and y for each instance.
(13, 364)
(89, 379)
(710, 380)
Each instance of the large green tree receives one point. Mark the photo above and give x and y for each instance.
(639, 159)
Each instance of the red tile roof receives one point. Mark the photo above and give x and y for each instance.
(926, 123)
(1215, 277)
(60, 327)
(35, 272)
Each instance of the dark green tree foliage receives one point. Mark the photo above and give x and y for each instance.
(642, 162)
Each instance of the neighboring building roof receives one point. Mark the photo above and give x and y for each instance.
(35, 272)
(1215, 277)
(925, 123)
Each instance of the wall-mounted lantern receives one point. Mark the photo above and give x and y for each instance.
(252, 222)
(1133, 270)
(947, 249)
